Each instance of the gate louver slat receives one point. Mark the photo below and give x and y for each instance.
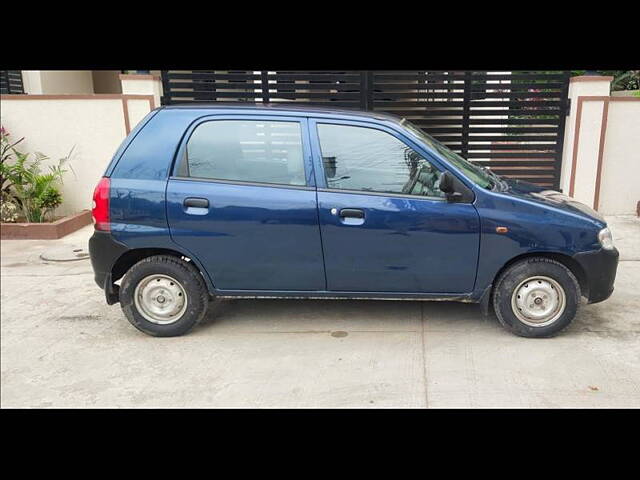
(11, 82)
(512, 122)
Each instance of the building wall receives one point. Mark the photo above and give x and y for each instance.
(578, 87)
(93, 125)
(588, 142)
(601, 157)
(106, 81)
(56, 82)
(620, 176)
(135, 84)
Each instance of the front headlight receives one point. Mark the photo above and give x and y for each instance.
(605, 239)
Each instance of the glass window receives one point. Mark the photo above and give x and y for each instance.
(246, 150)
(473, 172)
(360, 158)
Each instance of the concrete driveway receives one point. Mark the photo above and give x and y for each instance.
(62, 346)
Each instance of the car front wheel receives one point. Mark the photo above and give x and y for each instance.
(536, 297)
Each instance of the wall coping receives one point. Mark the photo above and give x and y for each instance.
(625, 93)
(591, 78)
(138, 76)
(600, 98)
(71, 96)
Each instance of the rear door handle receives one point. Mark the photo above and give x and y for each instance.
(351, 213)
(196, 202)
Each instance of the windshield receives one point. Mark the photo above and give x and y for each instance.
(475, 173)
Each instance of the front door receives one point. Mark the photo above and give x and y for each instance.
(386, 226)
(242, 200)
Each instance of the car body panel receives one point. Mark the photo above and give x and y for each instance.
(254, 237)
(460, 240)
(531, 228)
(405, 243)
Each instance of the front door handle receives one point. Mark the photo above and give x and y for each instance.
(196, 202)
(351, 213)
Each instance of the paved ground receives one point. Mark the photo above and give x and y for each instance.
(62, 346)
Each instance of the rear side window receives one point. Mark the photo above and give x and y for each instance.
(367, 159)
(247, 151)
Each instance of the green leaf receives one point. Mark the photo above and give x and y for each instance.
(34, 191)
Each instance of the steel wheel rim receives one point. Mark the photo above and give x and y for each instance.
(538, 301)
(160, 299)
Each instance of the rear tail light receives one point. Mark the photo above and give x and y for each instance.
(100, 209)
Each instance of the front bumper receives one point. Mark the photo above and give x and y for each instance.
(600, 268)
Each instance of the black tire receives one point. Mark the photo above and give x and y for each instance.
(191, 282)
(520, 271)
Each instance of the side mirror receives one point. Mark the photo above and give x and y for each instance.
(446, 182)
(447, 185)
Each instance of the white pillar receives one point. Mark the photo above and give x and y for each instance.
(32, 82)
(587, 94)
(142, 85)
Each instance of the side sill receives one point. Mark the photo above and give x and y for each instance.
(330, 295)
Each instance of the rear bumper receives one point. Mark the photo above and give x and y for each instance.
(104, 250)
(600, 268)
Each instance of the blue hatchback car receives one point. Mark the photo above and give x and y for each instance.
(205, 202)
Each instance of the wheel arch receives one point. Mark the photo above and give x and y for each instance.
(133, 256)
(564, 259)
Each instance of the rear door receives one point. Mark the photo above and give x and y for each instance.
(242, 200)
(386, 226)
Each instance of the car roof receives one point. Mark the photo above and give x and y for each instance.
(296, 109)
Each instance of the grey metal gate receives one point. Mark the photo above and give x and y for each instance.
(11, 81)
(512, 122)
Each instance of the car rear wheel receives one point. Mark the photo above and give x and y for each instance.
(164, 296)
(536, 297)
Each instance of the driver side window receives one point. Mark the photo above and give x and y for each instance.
(367, 159)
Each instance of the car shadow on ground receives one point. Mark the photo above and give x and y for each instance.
(372, 315)
(360, 315)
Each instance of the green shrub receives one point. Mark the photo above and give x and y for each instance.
(24, 184)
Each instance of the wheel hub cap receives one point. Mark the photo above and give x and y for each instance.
(160, 299)
(538, 301)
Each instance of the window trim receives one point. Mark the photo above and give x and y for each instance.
(310, 181)
(242, 182)
(383, 194)
(321, 182)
